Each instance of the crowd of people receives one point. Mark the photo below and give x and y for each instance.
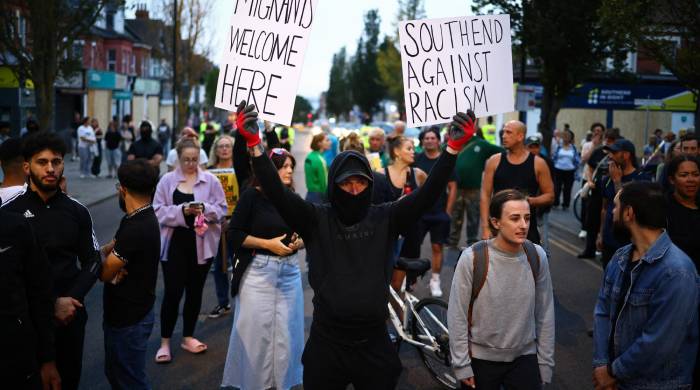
(370, 200)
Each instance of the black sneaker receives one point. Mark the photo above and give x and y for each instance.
(220, 311)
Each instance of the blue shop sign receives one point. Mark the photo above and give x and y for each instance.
(121, 95)
(98, 79)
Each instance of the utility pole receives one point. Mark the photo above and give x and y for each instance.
(174, 67)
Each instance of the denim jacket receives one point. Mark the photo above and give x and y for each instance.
(656, 335)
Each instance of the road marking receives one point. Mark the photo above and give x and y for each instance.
(566, 247)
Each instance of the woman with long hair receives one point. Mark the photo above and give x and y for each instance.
(267, 339)
(566, 161)
(189, 203)
(316, 170)
(683, 213)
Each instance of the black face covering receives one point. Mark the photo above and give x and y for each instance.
(351, 208)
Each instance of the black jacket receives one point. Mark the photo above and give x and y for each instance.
(349, 265)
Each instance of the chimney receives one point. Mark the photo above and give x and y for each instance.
(141, 12)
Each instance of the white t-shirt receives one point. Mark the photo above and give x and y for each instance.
(172, 160)
(9, 193)
(85, 132)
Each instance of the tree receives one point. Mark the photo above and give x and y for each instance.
(338, 97)
(408, 10)
(389, 67)
(648, 26)
(42, 50)
(367, 90)
(565, 39)
(210, 84)
(302, 108)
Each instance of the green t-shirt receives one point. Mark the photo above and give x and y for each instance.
(316, 172)
(471, 162)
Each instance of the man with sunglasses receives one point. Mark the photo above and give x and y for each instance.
(63, 229)
(350, 244)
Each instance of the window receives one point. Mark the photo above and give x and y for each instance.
(112, 60)
(77, 51)
(132, 67)
(671, 47)
(22, 29)
(125, 63)
(109, 20)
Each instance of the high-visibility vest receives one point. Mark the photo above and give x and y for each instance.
(489, 133)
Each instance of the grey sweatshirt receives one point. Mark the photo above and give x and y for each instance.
(512, 316)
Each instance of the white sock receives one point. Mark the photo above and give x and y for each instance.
(435, 276)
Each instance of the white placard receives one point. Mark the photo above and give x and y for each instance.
(263, 56)
(454, 64)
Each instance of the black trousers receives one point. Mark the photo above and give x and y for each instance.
(522, 373)
(69, 350)
(563, 181)
(594, 204)
(370, 365)
(19, 368)
(182, 275)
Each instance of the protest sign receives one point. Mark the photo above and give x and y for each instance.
(263, 56)
(455, 64)
(227, 178)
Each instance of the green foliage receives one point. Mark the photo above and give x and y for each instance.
(302, 107)
(389, 66)
(367, 90)
(210, 86)
(339, 97)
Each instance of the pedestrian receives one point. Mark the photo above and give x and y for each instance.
(208, 139)
(489, 131)
(113, 139)
(72, 146)
(334, 149)
(86, 141)
(316, 170)
(437, 220)
(683, 214)
(534, 145)
(516, 168)
(470, 169)
(267, 338)
(28, 352)
(222, 161)
(501, 309)
(377, 139)
(146, 147)
(622, 168)
(381, 189)
(130, 271)
(164, 135)
(63, 228)
(352, 241)
(399, 129)
(128, 135)
(566, 161)
(97, 149)
(190, 204)
(172, 160)
(689, 145)
(645, 333)
(14, 182)
(595, 141)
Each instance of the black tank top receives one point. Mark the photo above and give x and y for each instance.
(521, 177)
(410, 180)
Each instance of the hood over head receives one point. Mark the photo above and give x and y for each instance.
(351, 209)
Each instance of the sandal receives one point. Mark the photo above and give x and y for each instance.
(163, 355)
(192, 345)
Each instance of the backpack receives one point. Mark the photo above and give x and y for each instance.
(480, 262)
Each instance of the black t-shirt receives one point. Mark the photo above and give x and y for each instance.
(426, 165)
(112, 139)
(145, 148)
(137, 244)
(683, 228)
(597, 155)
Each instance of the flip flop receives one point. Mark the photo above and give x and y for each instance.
(194, 346)
(163, 355)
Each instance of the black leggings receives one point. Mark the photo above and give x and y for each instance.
(182, 273)
(563, 181)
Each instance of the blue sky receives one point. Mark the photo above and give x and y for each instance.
(337, 23)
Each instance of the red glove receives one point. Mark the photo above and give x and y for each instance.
(462, 129)
(247, 123)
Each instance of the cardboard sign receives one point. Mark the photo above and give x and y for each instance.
(229, 182)
(264, 55)
(455, 64)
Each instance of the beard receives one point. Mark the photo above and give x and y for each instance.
(122, 203)
(36, 180)
(621, 233)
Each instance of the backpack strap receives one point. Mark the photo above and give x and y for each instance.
(533, 258)
(480, 263)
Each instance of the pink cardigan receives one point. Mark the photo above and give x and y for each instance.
(207, 190)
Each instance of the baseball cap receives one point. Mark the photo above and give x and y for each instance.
(621, 145)
(352, 167)
(533, 140)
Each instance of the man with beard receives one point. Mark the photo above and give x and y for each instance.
(130, 270)
(622, 168)
(351, 243)
(63, 229)
(646, 317)
(146, 147)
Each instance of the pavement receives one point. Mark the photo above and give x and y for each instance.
(575, 281)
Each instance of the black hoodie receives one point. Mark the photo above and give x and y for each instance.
(350, 265)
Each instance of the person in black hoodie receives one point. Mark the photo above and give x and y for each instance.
(350, 242)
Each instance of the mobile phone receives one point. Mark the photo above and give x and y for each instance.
(195, 204)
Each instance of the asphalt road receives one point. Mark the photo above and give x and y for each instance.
(575, 288)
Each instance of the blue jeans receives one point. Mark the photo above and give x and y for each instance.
(125, 354)
(221, 279)
(85, 160)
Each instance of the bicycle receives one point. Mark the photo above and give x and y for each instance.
(427, 320)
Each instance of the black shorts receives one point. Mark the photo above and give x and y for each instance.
(438, 224)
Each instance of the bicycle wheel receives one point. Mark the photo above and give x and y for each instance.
(577, 207)
(433, 314)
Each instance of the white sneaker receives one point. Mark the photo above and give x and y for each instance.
(582, 234)
(82, 176)
(435, 289)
